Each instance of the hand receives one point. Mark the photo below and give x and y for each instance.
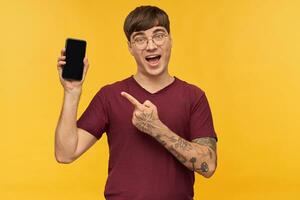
(70, 86)
(145, 116)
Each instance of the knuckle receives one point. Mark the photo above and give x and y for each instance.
(136, 113)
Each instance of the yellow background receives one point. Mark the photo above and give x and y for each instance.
(243, 53)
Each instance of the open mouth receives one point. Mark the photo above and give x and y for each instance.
(153, 59)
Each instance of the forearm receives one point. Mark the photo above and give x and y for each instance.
(66, 137)
(196, 157)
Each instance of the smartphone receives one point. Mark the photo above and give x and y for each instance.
(75, 53)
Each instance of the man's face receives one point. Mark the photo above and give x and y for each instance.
(151, 49)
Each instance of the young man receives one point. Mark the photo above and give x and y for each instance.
(159, 128)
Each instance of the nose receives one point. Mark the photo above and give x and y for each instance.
(151, 45)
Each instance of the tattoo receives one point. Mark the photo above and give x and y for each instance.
(183, 144)
(193, 160)
(158, 137)
(204, 153)
(204, 167)
(178, 155)
(207, 141)
(171, 138)
(145, 120)
(180, 143)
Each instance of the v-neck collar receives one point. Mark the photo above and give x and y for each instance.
(159, 91)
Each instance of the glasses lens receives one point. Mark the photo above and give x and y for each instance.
(140, 42)
(159, 39)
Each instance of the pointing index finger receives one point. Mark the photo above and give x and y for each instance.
(133, 100)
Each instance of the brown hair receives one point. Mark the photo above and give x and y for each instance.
(145, 17)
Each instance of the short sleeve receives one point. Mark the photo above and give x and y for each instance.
(201, 122)
(95, 118)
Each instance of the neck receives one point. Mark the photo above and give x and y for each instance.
(153, 81)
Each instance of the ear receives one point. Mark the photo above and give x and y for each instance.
(129, 47)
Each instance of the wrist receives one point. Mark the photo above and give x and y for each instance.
(160, 129)
(75, 92)
(73, 95)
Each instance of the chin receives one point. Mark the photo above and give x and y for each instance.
(155, 72)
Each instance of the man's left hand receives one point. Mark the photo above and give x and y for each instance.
(145, 116)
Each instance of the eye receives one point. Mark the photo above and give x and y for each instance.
(159, 36)
(140, 40)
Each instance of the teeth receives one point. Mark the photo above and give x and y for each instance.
(152, 56)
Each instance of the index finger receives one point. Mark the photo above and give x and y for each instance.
(133, 100)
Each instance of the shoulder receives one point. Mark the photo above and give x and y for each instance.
(114, 87)
(111, 91)
(190, 90)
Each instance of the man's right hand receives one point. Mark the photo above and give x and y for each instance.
(70, 86)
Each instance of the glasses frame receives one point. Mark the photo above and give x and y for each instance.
(165, 35)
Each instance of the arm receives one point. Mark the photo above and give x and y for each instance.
(199, 155)
(70, 141)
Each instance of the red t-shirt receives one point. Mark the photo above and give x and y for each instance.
(140, 168)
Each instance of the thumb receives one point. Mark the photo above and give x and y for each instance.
(148, 104)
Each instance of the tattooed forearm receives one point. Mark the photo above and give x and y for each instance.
(171, 138)
(180, 143)
(183, 144)
(206, 141)
(194, 155)
(178, 155)
(158, 138)
(203, 168)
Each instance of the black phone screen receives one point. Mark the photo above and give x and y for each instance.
(75, 53)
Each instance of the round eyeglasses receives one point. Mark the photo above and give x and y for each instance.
(141, 42)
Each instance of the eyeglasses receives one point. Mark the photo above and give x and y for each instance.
(141, 42)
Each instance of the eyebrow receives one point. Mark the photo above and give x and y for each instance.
(142, 32)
